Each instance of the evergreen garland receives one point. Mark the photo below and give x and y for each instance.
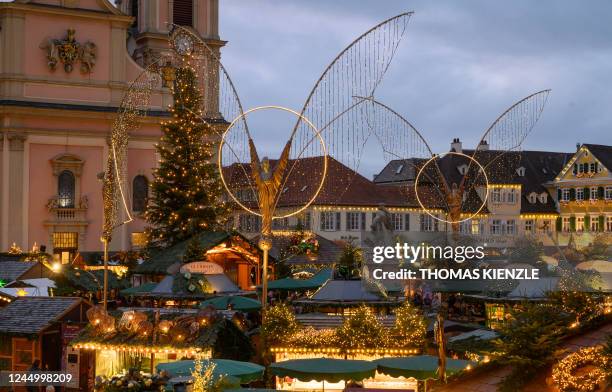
(186, 190)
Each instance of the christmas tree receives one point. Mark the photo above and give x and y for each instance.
(186, 191)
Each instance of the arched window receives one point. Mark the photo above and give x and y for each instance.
(65, 189)
(140, 193)
(182, 12)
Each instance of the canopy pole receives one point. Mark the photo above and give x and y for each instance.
(105, 289)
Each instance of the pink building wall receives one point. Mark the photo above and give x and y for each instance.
(43, 186)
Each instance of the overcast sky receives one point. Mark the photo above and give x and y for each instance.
(460, 65)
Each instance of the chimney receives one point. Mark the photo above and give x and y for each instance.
(483, 146)
(456, 145)
(577, 146)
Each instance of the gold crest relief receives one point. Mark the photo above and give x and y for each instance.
(68, 51)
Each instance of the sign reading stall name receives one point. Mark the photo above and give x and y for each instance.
(202, 267)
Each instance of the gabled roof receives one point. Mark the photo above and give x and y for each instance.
(31, 315)
(342, 187)
(602, 153)
(328, 252)
(346, 291)
(540, 168)
(162, 259)
(12, 270)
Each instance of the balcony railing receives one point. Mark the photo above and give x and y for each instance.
(67, 214)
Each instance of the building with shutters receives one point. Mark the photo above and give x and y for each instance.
(583, 193)
(64, 68)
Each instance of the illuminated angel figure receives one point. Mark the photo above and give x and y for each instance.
(268, 183)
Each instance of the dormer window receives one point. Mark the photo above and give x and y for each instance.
(521, 171)
(462, 169)
(532, 197)
(543, 197)
(399, 169)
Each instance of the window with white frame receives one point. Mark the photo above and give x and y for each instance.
(511, 196)
(565, 194)
(465, 227)
(510, 227)
(249, 223)
(608, 193)
(594, 223)
(355, 221)
(565, 224)
(427, 223)
(401, 222)
(545, 226)
(579, 193)
(476, 226)
(609, 223)
(543, 197)
(304, 220)
(496, 227)
(580, 223)
(330, 221)
(593, 193)
(280, 224)
(496, 195)
(529, 225)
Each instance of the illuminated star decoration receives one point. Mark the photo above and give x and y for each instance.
(22, 293)
(2, 283)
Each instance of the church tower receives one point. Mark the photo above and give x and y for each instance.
(153, 19)
(149, 35)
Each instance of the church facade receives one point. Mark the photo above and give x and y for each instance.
(64, 68)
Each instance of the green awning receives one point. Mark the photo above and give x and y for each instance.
(324, 369)
(237, 303)
(421, 367)
(244, 371)
(143, 288)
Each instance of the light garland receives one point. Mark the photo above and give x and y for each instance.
(563, 372)
(191, 351)
(373, 209)
(539, 216)
(504, 186)
(337, 350)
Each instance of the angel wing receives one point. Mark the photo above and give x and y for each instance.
(339, 118)
(403, 143)
(134, 105)
(221, 102)
(499, 148)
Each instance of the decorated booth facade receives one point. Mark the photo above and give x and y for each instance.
(138, 341)
(235, 257)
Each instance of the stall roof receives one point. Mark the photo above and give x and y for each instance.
(162, 259)
(317, 280)
(11, 270)
(347, 291)
(31, 315)
(219, 283)
(536, 288)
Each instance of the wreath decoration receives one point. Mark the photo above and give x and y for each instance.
(563, 372)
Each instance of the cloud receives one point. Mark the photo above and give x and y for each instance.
(461, 63)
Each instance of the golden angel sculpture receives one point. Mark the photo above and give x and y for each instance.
(268, 183)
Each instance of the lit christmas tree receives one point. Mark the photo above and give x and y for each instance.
(186, 191)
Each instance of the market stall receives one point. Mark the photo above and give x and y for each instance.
(141, 340)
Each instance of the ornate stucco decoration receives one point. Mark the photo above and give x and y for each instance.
(68, 51)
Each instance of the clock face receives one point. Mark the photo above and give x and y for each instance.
(183, 44)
